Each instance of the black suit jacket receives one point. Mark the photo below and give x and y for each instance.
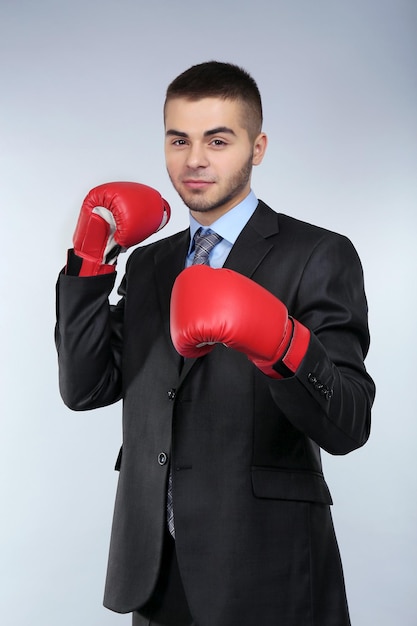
(254, 534)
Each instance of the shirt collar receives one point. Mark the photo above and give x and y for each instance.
(229, 225)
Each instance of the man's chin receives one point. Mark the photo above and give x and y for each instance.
(197, 203)
(199, 209)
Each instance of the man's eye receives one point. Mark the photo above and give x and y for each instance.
(218, 142)
(179, 142)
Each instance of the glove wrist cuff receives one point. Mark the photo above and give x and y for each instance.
(80, 265)
(295, 352)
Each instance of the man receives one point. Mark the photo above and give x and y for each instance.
(238, 352)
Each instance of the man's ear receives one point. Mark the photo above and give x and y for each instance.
(259, 148)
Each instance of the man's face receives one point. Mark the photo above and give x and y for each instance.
(209, 155)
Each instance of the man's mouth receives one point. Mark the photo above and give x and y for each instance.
(197, 183)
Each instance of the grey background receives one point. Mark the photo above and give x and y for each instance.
(81, 91)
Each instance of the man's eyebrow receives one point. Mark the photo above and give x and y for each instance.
(218, 130)
(171, 132)
(175, 133)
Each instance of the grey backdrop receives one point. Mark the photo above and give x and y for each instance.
(81, 88)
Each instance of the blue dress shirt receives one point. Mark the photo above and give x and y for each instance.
(229, 226)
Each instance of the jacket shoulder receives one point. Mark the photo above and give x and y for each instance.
(288, 224)
(295, 234)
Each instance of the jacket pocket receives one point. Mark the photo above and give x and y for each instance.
(283, 484)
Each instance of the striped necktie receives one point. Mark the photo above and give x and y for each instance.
(204, 244)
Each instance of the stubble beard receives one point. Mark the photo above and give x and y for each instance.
(198, 203)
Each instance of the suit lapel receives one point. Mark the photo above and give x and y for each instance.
(169, 262)
(254, 242)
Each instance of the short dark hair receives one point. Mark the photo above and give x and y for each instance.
(215, 79)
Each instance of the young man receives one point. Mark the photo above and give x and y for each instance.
(238, 351)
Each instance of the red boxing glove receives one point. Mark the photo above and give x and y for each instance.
(113, 217)
(210, 306)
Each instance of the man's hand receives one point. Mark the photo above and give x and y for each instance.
(210, 306)
(113, 217)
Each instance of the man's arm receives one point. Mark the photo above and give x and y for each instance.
(88, 337)
(331, 394)
(88, 334)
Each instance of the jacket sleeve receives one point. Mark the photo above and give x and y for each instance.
(330, 396)
(88, 337)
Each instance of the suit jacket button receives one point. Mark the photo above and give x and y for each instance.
(172, 393)
(162, 458)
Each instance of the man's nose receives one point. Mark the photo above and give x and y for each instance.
(197, 156)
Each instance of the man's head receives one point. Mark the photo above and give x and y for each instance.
(226, 81)
(213, 137)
